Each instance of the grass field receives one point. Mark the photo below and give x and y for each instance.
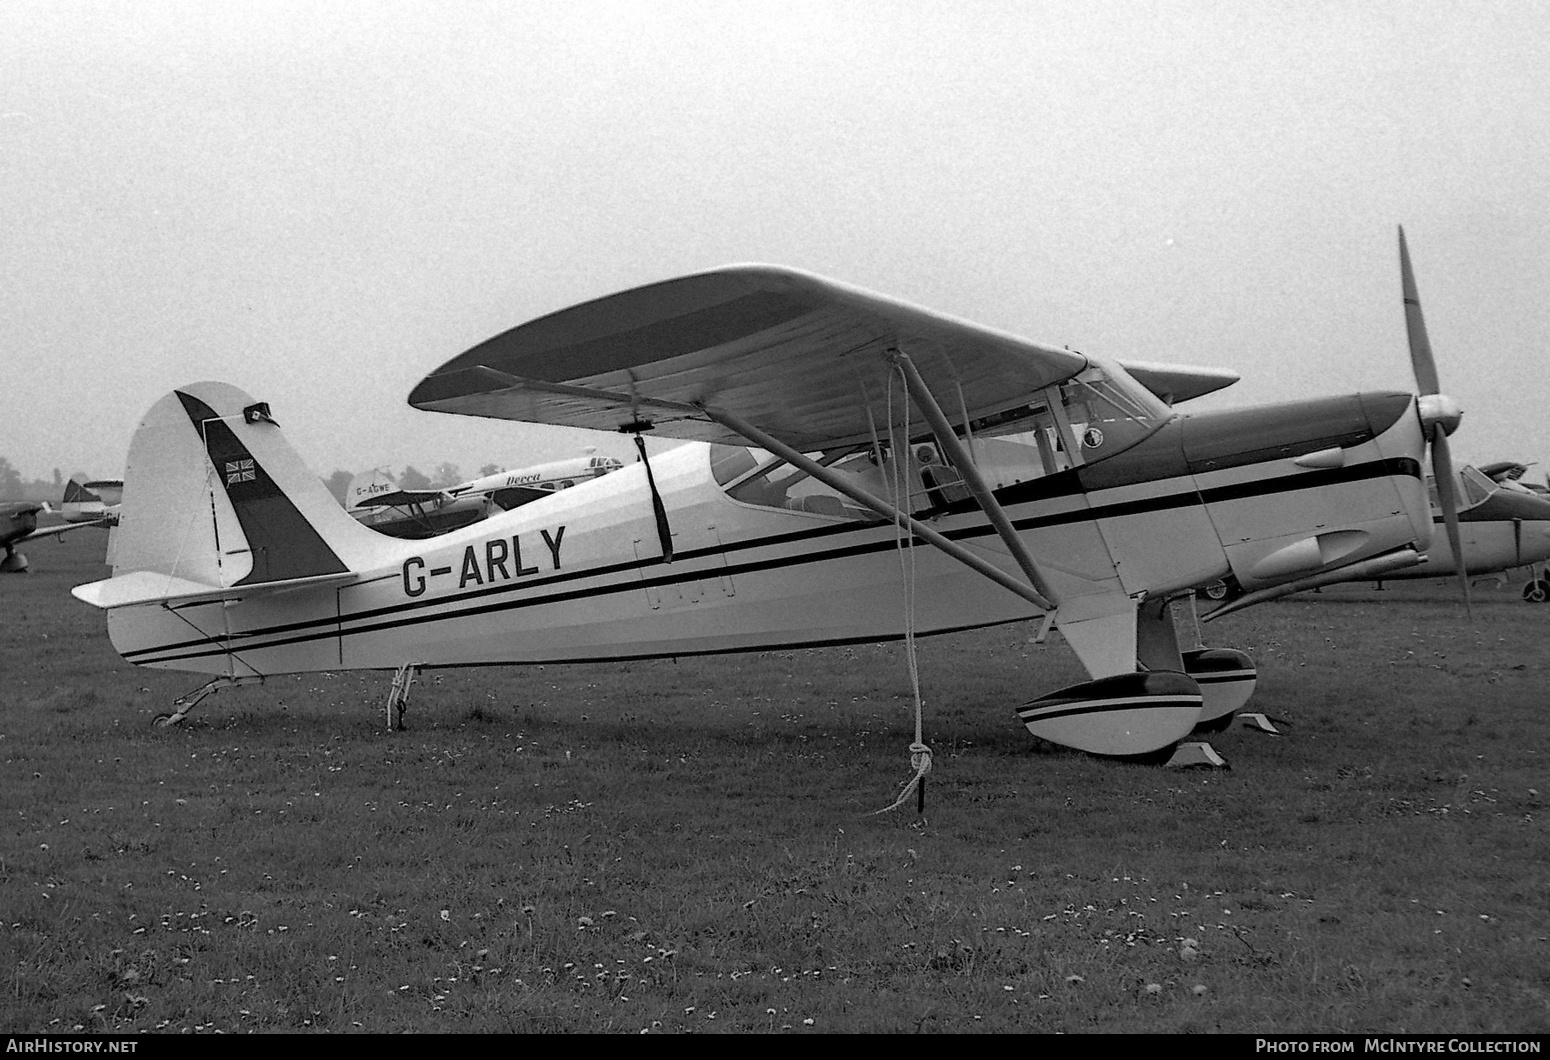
(691, 845)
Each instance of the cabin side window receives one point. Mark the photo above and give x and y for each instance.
(753, 476)
(1083, 419)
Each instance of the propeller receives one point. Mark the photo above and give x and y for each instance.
(1440, 414)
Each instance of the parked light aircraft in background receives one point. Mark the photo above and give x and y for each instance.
(1058, 486)
(19, 523)
(1501, 529)
(375, 499)
(1502, 526)
(1509, 475)
(92, 502)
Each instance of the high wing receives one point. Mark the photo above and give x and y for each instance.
(506, 498)
(402, 498)
(511, 497)
(796, 355)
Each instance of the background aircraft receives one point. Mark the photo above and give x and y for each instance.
(19, 523)
(92, 502)
(1509, 473)
(1115, 505)
(375, 499)
(1501, 528)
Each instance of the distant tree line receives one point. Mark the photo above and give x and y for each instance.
(15, 488)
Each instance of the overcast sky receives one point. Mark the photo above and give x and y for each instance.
(322, 202)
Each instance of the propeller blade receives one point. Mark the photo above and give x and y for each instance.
(1442, 474)
(1421, 361)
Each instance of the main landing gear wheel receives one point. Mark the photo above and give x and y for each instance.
(1226, 677)
(1216, 591)
(1536, 591)
(1135, 716)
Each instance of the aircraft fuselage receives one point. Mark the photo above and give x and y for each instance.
(1260, 495)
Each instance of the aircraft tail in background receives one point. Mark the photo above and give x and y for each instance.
(92, 502)
(361, 494)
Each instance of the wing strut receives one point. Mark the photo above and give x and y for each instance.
(881, 507)
(947, 438)
(658, 512)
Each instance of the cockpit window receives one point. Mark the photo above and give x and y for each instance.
(755, 477)
(1105, 416)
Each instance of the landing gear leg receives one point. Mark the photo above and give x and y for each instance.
(187, 702)
(1226, 676)
(398, 695)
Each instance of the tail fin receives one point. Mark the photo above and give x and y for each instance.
(75, 493)
(80, 504)
(214, 495)
(363, 487)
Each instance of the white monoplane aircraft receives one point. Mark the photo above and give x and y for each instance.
(832, 427)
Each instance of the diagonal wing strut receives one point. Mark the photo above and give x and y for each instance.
(947, 438)
(876, 504)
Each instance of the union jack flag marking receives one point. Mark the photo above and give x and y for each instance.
(239, 471)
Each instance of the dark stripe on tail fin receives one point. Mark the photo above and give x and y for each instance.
(284, 544)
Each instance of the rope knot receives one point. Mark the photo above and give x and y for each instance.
(920, 758)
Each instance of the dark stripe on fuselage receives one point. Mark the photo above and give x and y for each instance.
(364, 622)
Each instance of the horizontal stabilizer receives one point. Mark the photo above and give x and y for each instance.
(151, 587)
(1177, 382)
